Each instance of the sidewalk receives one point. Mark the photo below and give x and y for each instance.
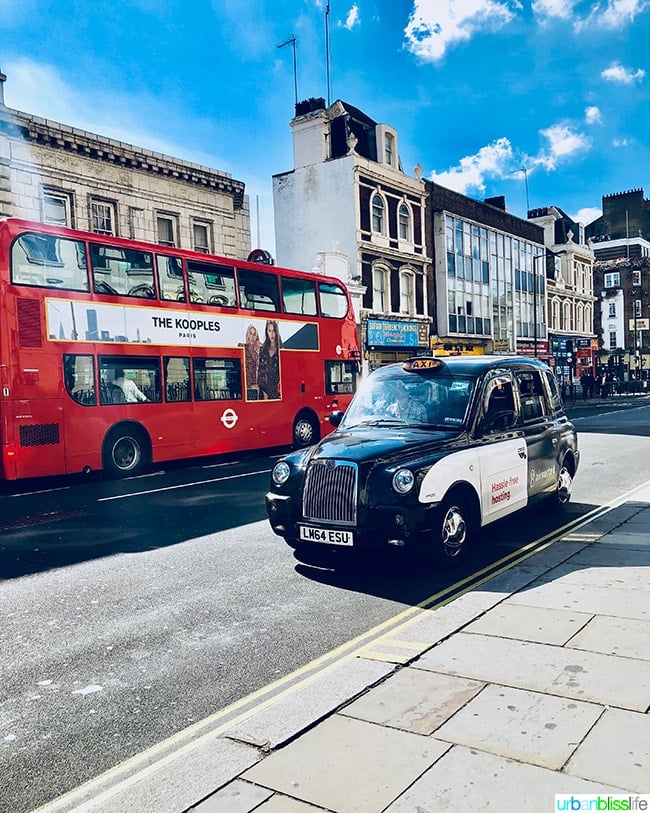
(536, 683)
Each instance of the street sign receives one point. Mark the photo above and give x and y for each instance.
(639, 324)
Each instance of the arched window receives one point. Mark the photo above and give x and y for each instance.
(404, 219)
(406, 292)
(555, 314)
(567, 321)
(580, 317)
(377, 208)
(380, 302)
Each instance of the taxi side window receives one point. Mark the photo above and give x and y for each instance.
(556, 398)
(499, 410)
(531, 395)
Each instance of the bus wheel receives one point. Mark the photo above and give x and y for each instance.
(125, 451)
(305, 431)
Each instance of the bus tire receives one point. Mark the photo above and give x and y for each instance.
(305, 430)
(126, 451)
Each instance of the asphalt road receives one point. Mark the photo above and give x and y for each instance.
(132, 609)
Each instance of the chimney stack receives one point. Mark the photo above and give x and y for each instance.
(3, 79)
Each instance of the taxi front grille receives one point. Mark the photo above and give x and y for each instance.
(330, 492)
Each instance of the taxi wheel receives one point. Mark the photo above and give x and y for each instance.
(453, 531)
(563, 487)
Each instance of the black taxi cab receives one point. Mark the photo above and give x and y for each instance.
(427, 453)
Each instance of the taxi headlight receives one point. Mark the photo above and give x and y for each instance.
(280, 473)
(403, 481)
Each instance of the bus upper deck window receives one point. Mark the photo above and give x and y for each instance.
(47, 261)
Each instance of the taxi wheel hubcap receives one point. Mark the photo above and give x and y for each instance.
(564, 485)
(454, 532)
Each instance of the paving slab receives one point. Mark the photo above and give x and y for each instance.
(602, 555)
(468, 780)
(586, 599)
(632, 537)
(530, 623)
(414, 700)
(237, 797)
(626, 637)
(530, 727)
(617, 578)
(588, 676)
(616, 751)
(300, 708)
(348, 765)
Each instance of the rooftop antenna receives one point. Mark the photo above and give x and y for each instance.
(292, 42)
(327, 54)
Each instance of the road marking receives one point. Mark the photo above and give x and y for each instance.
(120, 778)
(183, 485)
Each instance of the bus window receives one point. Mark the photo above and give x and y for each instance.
(142, 377)
(170, 278)
(299, 296)
(211, 283)
(122, 271)
(177, 378)
(258, 291)
(49, 262)
(217, 379)
(79, 378)
(333, 301)
(340, 377)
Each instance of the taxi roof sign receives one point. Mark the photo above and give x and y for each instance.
(422, 363)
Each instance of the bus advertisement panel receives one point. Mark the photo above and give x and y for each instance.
(115, 354)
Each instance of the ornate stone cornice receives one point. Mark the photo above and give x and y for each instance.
(31, 129)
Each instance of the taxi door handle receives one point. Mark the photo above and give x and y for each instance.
(522, 453)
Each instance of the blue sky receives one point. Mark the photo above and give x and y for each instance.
(476, 89)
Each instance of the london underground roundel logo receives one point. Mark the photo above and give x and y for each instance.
(229, 418)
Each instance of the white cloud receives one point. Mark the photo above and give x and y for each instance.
(436, 25)
(614, 14)
(557, 9)
(586, 215)
(353, 18)
(621, 142)
(493, 161)
(499, 160)
(563, 142)
(626, 76)
(592, 115)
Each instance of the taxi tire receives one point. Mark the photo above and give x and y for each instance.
(453, 530)
(563, 487)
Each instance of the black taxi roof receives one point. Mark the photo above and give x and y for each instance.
(456, 365)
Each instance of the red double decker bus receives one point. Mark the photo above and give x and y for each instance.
(116, 353)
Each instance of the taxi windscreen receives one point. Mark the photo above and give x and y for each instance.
(411, 400)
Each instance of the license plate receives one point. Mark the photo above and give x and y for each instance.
(325, 535)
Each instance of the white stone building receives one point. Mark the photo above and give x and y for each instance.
(348, 198)
(54, 173)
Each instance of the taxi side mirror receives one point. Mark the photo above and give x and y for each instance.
(335, 417)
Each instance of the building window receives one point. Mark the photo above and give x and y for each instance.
(612, 280)
(102, 217)
(406, 292)
(389, 149)
(377, 207)
(636, 278)
(379, 298)
(404, 222)
(612, 309)
(56, 209)
(201, 235)
(637, 308)
(166, 231)
(612, 339)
